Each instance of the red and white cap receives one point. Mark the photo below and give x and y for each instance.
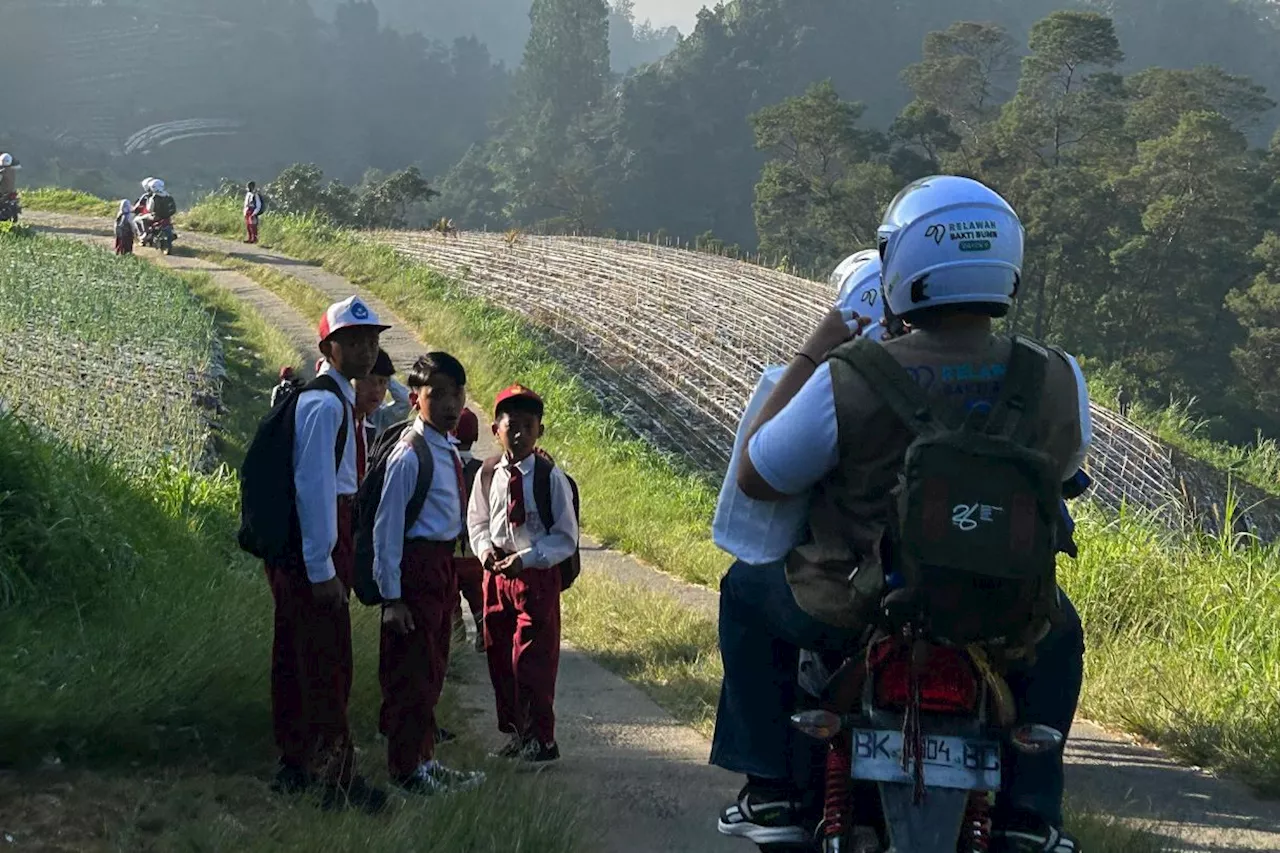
(349, 312)
(516, 391)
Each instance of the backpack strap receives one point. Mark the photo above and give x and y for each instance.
(1015, 411)
(542, 468)
(486, 476)
(325, 382)
(899, 391)
(426, 471)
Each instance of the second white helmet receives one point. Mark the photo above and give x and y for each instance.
(947, 240)
(6, 160)
(858, 281)
(157, 185)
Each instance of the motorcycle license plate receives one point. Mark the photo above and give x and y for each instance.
(967, 764)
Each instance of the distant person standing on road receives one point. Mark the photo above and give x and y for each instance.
(252, 210)
(1124, 401)
(124, 228)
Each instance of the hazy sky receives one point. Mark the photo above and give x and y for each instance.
(681, 13)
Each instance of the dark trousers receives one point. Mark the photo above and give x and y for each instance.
(311, 666)
(762, 631)
(471, 584)
(411, 667)
(522, 641)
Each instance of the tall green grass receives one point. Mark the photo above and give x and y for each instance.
(134, 650)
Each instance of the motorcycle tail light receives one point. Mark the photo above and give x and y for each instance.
(948, 684)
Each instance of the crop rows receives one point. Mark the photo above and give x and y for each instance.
(675, 341)
(108, 354)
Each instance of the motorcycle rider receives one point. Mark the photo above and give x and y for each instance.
(8, 175)
(155, 205)
(949, 293)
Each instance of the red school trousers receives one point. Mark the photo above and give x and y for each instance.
(311, 665)
(251, 226)
(471, 583)
(522, 641)
(411, 667)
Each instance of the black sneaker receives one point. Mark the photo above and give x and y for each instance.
(359, 795)
(535, 752)
(511, 749)
(1028, 833)
(290, 779)
(764, 817)
(438, 779)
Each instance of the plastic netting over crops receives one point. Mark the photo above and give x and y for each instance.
(108, 353)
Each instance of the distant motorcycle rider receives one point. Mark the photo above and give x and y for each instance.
(8, 175)
(154, 205)
(948, 288)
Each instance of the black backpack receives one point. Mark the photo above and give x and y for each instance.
(262, 203)
(269, 526)
(370, 495)
(542, 467)
(164, 207)
(975, 519)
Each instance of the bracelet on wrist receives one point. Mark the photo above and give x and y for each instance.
(807, 358)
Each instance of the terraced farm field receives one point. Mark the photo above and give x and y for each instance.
(675, 341)
(107, 353)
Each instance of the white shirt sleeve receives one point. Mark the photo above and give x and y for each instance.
(478, 519)
(316, 423)
(1086, 421)
(561, 540)
(800, 445)
(388, 522)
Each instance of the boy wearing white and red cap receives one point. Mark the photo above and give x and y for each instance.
(311, 657)
(521, 552)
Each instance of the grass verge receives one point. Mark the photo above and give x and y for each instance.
(134, 711)
(57, 200)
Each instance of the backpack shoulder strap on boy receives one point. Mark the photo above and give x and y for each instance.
(1014, 414)
(426, 471)
(325, 382)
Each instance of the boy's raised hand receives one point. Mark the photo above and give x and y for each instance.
(396, 616)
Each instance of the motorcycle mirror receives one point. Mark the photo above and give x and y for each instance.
(1036, 739)
(820, 725)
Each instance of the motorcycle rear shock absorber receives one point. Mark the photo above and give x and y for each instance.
(977, 823)
(837, 800)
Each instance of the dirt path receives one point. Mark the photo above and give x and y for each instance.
(647, 775)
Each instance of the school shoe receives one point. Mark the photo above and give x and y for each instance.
(359, 796)
(535, 753)
(290, 779)
(511, 749)
(435, 778)
(1028, 833)
(764, 817)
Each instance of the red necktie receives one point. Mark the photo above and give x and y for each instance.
(360, 451)
(515, 497)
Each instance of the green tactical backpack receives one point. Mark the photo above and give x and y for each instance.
(974, 520)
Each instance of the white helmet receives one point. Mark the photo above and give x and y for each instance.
(6, 160)
(858, 280)
(148, 184)
(947, 240)
(157, 185)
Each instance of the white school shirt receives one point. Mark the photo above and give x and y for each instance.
(800, 445)
(252, 204)
(538, 547)
(317, 486)
(441, 516)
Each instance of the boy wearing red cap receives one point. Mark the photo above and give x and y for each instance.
(311, 656)
(521, 552)
(413, 566)
(470, 571)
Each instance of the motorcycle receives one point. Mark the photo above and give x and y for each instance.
(10, 207)
(160, 234)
